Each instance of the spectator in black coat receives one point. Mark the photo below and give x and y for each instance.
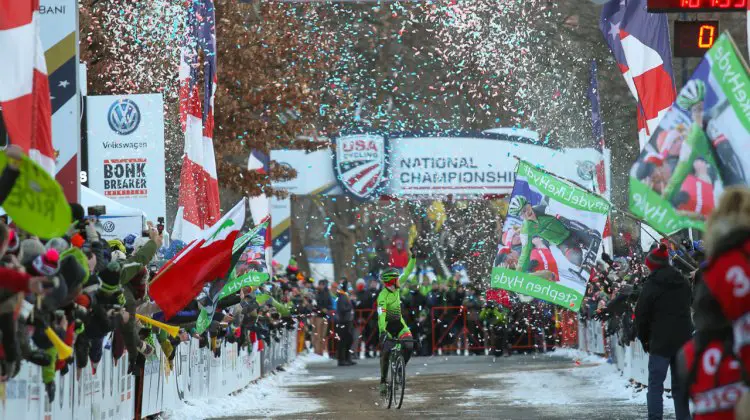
(344, 326)
(664, 324)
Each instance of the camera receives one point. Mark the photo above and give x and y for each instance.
(160, 225)
(96, 211)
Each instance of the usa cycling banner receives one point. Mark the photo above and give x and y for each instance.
(699, 147)
(551, 238)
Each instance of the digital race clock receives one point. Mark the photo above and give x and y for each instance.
(695, 6)
(694, 38)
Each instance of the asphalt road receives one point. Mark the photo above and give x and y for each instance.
(519, 387)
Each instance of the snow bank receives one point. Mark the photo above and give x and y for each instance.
(266, 397)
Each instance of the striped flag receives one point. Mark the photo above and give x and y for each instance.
(640, 43)
(258, 162)
(24, 85)
(199, 187)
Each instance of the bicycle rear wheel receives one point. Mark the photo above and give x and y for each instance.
(400, 381)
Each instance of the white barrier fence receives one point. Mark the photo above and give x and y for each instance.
(630, 359)
(111, 393)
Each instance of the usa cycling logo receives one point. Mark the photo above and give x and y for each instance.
(360, 164)
(124, 116)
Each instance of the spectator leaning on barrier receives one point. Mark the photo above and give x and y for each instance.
(663, 320)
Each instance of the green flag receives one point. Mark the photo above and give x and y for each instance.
(698, 147)
(551, 238)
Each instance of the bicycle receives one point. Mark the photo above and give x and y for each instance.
(396, 382)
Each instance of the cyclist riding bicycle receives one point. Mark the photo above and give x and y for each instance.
(390, 321)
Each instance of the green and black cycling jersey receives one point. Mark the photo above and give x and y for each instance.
(390, 319)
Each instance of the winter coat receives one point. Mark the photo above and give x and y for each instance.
(323, 301)
(344, 309)
(662, 314)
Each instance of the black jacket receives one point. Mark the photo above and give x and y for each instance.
(662, 314)
(344, 309)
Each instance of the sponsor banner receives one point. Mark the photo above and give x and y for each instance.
(58, 22)
(360, 164)
(697, 149)
(551, 238)
(126, 150)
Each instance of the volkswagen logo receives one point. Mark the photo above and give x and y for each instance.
(124, 116)
(108, 226)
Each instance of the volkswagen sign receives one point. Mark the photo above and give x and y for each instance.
(124, 116)
(108, 226)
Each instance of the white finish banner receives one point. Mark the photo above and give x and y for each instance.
(126, 151)
(475, 166)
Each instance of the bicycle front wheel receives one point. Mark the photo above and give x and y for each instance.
(400, 380)
(391, 384)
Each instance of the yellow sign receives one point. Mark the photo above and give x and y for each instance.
(36, 202)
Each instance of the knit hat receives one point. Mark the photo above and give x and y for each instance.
(128, 241)
(30, 249)
(58, 244)
(657, 258)
(110, 278)
(14, 243)
(117, 255)
(77, 240)
(116, 244)
(48, 263)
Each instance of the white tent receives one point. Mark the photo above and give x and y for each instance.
(120, 220)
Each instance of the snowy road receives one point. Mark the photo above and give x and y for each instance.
(521, 387)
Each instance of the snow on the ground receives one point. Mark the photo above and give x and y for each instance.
(589, 380)
(269, 396)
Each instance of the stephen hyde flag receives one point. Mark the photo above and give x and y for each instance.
(206, 259)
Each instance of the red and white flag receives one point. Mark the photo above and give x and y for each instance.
(199, 186)
(206, 259)
(24, 86)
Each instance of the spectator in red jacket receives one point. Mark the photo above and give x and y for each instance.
(398, 257)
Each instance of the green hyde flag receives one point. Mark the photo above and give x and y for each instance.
(551, 238)
(699, 146)
(235, 283)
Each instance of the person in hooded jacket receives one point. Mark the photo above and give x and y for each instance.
(715, 364)
(664, 324)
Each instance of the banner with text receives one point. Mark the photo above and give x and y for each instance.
(697, 148)
(550, 239)
(126, 150)
(476, 166)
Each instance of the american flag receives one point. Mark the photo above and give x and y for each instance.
(24, 85)
(640, 43)
(199, 188)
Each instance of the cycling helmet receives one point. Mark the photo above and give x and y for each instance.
(516, 205)
(389, 276)
(693, 93)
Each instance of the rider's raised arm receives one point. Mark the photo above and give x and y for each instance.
(408, 269)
